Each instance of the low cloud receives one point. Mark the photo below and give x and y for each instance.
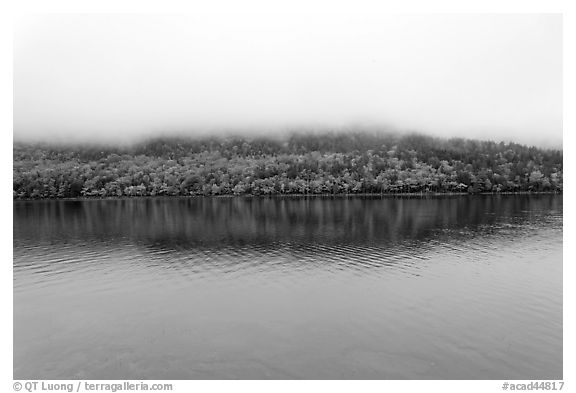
(126, 77)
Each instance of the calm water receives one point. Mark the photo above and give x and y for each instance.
(226, 288)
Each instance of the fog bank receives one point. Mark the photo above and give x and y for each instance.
(127, 77)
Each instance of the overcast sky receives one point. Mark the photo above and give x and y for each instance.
(116, 77)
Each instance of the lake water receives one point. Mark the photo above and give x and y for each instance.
(466, 287)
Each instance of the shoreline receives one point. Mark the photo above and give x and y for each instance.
(299, 196)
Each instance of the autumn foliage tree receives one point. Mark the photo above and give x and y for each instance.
(326, 163)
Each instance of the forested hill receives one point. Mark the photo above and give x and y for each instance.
(329, 163)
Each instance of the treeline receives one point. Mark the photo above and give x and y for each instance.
(329, 163)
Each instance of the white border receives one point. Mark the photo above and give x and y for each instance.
(11, 11)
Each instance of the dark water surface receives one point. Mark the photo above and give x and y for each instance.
(407, 288)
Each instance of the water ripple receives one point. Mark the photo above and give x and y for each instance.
(367, 288)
